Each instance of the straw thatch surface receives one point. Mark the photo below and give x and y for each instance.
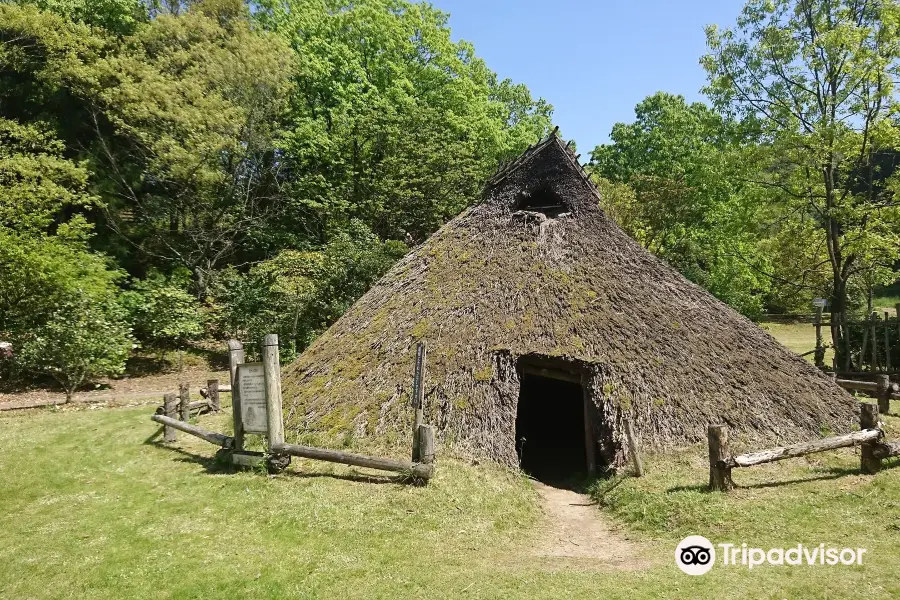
(497, 283)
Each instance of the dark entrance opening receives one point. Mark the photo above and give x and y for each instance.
(543, 201)
(550, 436)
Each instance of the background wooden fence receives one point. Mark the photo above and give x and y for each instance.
(869, 345)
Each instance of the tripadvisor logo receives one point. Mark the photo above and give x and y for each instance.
(696, 555)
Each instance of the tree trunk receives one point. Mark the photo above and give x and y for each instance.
(839, 326)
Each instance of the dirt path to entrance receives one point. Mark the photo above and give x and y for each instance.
(575, 528)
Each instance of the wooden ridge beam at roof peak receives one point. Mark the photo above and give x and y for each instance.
(532, 151)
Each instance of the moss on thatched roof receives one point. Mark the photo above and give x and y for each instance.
(498, 282)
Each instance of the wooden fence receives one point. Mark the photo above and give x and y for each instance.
(870, 439)
(870, 345)
(421, 468)
(180, 405)
(881, 389)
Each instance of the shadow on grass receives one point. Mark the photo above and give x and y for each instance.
(215, 464)
(828, 474)
(218, 465)
(697, 487)
(355, 478)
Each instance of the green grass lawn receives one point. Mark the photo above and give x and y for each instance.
(799, 338)
(92, 510)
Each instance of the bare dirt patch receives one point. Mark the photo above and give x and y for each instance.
(117, 391)
(574, 528)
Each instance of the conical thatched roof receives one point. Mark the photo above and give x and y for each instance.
(504, 281)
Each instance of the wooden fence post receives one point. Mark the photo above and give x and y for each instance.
(184, 393)
(820, 347)
(235, 358)
(212, 392)
(272, 371)
(426, 444)
(868, 419)
(874, 317)
(633, 449)
(274, 414)
(884, 394)
(719, 476)
(418, 397)
(169, 434)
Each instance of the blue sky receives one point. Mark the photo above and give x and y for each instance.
(593, 60)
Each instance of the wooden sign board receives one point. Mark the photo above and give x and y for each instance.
(820, 302)
(252, 390)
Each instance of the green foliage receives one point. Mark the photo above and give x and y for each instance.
(298, 294)
(162, 313)
(119, 16)
(391, 121)
(37, 184)
(81, 339)
(673, 179)
(818, 79)
(58, 304)
(58, 308)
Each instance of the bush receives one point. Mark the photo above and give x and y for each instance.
(163, 315)
(82, 339)
(298, 294)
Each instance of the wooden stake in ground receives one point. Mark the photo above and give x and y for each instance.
(212, 392)
(883, 393)
(274, 415)
(868, 419)
(185, 394)
(235, 358)
(426, 444)
(633, 450)
(820, 347)
(418, 397)
(169, 404)
(719, 475)
(887, 342)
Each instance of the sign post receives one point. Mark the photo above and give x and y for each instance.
(272, 372)
(235, 358)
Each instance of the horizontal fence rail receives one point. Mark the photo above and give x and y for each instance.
(421, 470)
(832, 443)
(870, 440)
(212, 437)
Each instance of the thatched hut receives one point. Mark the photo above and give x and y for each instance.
(547, 327)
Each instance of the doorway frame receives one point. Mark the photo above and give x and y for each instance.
(574, 372)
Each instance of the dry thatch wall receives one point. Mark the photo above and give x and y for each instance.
(495, 284)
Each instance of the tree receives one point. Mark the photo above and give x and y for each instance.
(819, 78)
(185, 116)
(119, 16)
(298, 294)
(391, 123)
(58, 305)
(82, 339)
(673, 180)
(163, 315)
